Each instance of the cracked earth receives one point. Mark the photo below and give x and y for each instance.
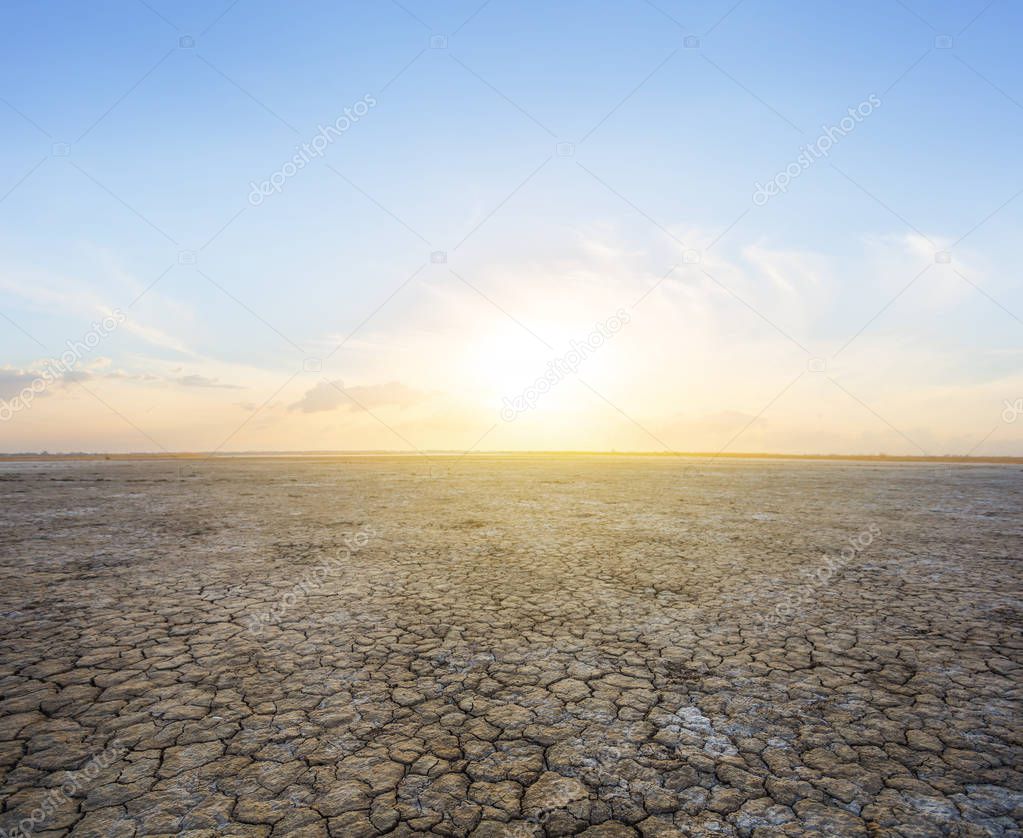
(519, 646)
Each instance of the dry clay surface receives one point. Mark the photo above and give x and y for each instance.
(516, 646)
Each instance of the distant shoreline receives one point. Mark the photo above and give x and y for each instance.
(334, 455)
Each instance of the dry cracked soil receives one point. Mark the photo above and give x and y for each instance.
(510, 646)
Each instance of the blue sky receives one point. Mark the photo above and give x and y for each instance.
(132, 131)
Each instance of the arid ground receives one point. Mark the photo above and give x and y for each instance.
(520, 646)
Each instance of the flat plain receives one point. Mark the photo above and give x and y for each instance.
(510, 646)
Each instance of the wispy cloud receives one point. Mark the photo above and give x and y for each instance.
(14, 380)
(48, 294)
(333, 395)
(194, 380)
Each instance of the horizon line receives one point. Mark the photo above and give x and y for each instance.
(284, 454)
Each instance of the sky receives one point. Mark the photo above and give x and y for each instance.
(640, 225)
